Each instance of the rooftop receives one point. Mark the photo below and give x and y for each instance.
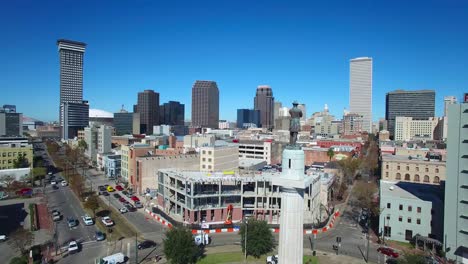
(404, 158)
(409, 190)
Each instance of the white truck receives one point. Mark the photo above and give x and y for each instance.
(202, 239)
(113, 259)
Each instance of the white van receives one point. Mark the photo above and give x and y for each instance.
(113, 259)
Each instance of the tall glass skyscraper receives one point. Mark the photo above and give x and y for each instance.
(360, 90)
(72, 106)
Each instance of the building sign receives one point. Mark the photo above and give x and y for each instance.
(465, 98)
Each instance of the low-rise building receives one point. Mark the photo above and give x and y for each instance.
(410, 209)
(195, 197)
(148, 166)
(317, 154)
(128, 160)
(219, 158)
(49, 131)
(267, 150)
(112, 165)
(196, 141)
(9, 152)
(413, 169)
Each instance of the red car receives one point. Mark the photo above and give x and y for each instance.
(25, 191)
(122, 200)
(135, 199)
(388, 251)
(118, 188)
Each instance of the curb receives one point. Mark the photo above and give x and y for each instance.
(324, 229)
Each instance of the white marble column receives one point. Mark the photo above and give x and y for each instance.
(291, 242)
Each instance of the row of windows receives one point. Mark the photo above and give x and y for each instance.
(410, 208)
(416, 178)
(204, 152)
(204, 167)
(13, 154)
(209, 159)
(417, 168)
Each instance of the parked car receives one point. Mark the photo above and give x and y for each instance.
(73, 247)
(72, 222)
(99, 236)
(101, 188)
(116, 258)
(25, 191)
(53, 182)
(56, 216)
(55, 187)
(388, 251)
(3, 238)
(64, 183)
(119, 188)
(134, 198)
(130, 207)
(87, 220)
(107, 221)
(125, 193)
(138, 204)
(129, 194)
(110, 189)
(123, 210)
(105, 193)
(146, 244)
(272, 259)
(117, 196)
(122, 200)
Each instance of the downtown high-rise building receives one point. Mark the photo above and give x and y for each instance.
(264, 101)
(73, 110)
(360, 90)
(247, 118)
(418, 104)
(172, 113)
(205, 104)
(456, 185)
(148, 108)
(448, 100)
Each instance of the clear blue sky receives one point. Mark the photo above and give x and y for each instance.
(290, 45)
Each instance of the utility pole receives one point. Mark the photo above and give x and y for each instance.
(136, 248)
(368, 238)
(245, 240)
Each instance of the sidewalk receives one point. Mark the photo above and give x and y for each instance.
(323, 257)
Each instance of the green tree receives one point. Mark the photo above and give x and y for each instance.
(82, 145)
(8, 181)
(259, 237)
(92, 204)
(180, 247)
(349, 168)
(330, 153)
(365, 193)
(21, 162)
(21, 239)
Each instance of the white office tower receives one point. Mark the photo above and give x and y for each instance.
(293, 182)
(360, 90)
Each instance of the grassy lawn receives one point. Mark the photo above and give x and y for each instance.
(233, 257)
(400, 244)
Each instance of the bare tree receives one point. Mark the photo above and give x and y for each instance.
(8, 182)
(21, 239)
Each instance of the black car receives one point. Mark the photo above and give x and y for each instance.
(99, 236)
(130, 207)
(125, 193)
(105, 193)
(146, 244)
(55, 187)
(101, 188)
(117, 196)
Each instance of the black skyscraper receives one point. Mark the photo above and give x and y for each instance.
(148, 107)
(419, 105)
(172, 113)
(264, 101)
(205, 104)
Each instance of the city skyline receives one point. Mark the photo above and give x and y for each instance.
(307, 64)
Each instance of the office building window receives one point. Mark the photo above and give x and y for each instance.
(436, 179)
(389, 205)
(407, 168)
(398, 176)
(427, 169)
(418, 209)
(400, 218)
(416, 178)
(409, 220)
(426, 178)
(410, 208)
(401, 207)
(418, 221)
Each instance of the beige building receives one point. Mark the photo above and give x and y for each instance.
(196, 141)
(412, 169)
(384, 135)
(408, 129)
(11, 151)
(128, 160)
(352, 124)
(148, 166)
(267, 150)
(219, 158)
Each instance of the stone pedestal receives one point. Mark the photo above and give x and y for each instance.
(292, 182)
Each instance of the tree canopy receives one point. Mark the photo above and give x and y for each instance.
(259, 238)
(92, 204)
(21, 239)
(180, 247)
(21, 162)
(330, 153)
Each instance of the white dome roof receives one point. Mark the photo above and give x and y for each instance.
(100, 113)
